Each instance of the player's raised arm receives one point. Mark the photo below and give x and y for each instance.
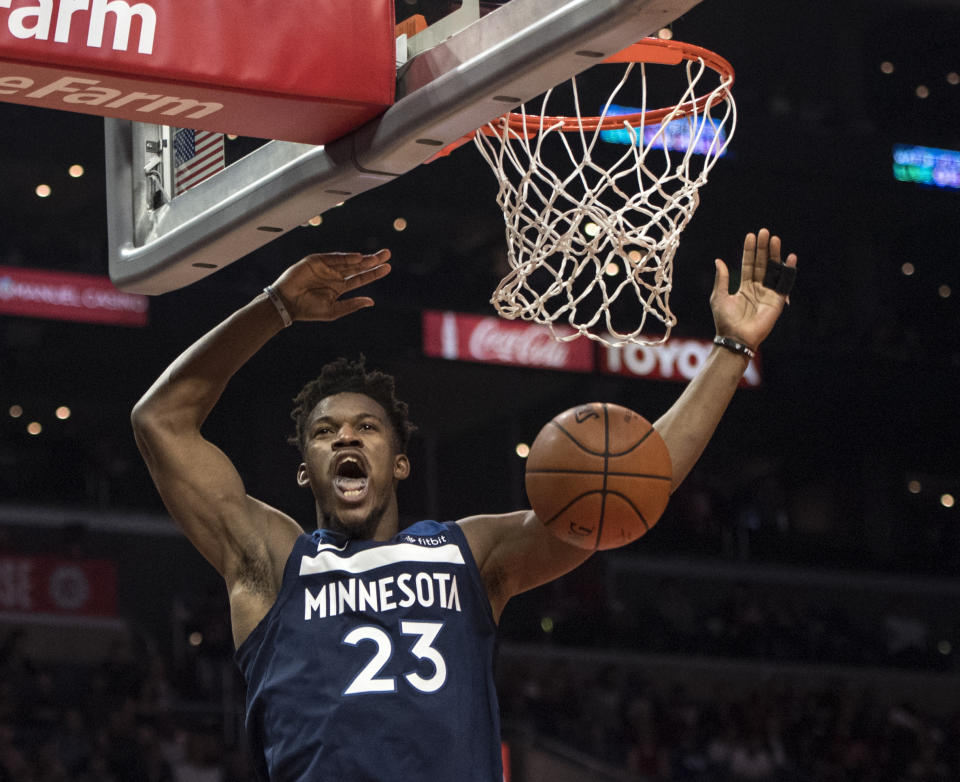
(515, 552)
(743, 320)
(197, 481)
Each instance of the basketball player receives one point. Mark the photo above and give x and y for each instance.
(368, 649)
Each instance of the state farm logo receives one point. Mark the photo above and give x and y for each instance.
(530, 346)
(37, 20)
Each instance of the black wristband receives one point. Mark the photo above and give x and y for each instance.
(734, 346)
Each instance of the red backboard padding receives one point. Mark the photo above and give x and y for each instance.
(297, 70)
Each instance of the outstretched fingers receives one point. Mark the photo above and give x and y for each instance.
(313, 287)
(349, 264)
(756, 253)
(763, 261)
(361, 278)
(343, 307)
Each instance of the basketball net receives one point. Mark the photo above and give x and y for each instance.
(584, 234)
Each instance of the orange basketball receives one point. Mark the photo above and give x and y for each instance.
(598, 476)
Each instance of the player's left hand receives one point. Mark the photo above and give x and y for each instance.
(313, 288)
(750, 314)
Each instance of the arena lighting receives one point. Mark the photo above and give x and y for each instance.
(76, 171)
(400, 224)
(926, 166)
(43, 191)
(886, 67)
(908, 269)
(944, 291)
(947, 500)
(953, 77)
(15, 411)
(63, 412)
(914, 487)
(34, 428)
(922, 91)
(315, 221)
(523, 450)
(676, 135)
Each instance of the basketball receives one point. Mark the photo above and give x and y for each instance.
(598, 476)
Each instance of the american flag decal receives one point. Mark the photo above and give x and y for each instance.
(197, 155)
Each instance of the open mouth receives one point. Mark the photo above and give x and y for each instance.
(350, 479)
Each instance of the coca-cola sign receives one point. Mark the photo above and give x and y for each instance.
(492, 340)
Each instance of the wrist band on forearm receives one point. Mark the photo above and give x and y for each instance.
(278, 303)
(733, 346)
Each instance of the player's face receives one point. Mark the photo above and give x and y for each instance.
(352, 465)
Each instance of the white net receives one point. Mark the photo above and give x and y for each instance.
(591, 242)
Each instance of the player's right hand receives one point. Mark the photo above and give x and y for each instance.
(312, 288)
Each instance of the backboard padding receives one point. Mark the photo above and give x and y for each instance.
(505, 58)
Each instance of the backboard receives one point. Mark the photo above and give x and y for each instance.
(159, 243)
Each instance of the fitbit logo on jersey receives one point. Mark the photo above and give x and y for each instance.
(383, 594)
(38, 21)
(422, 540)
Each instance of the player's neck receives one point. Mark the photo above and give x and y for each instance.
(380, 524)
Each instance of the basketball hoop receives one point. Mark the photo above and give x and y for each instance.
(580, 239)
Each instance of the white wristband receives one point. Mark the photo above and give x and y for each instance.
(278, 303)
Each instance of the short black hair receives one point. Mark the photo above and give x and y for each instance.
(345, 375)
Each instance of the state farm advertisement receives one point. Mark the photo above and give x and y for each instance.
(299, 70)
(492, 340)
(38, 293)
(59, 587)
(453, 335)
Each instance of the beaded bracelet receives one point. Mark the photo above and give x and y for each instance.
(734, 346)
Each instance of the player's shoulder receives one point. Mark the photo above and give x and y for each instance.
(494, 524)
(423, 529)
(485, 532)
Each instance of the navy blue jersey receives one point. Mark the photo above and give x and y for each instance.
(375, 663)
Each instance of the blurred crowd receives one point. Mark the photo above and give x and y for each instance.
(128, 719)
(858, 623)
(166, 703)
(146, 715)
(781, 731)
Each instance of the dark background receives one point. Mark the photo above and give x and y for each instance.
(795, 581)
(859, 376)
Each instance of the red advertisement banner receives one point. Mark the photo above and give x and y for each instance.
(301, 70)
(492, 340)
(60, 587)
(678, 359)
(68, 296)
